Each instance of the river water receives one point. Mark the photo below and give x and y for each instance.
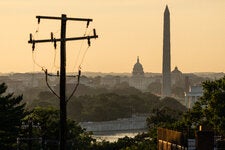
(115, 135)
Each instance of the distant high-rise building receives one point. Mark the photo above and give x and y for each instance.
(166, 68)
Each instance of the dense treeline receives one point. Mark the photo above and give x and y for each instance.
(38, 128)
(110, 106)
(47, 98)
(104, 104)
(168, 113)
(207, 112)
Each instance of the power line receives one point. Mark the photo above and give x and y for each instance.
(62, 40)
(82, 59)
(81, 46)
(35, 62)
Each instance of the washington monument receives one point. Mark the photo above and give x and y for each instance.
(166, 69)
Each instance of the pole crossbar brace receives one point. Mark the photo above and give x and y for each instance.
(66, 39)
(60, 18)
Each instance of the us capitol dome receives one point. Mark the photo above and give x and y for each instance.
(138, 69)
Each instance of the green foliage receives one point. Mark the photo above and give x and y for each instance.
(139, 142)
(167, 114)
(122, 103)
(172, 104)
(124, 89)
(101, 104)
(77, 137)
(155, 88)
(163, 117)
(11, 114)
(110, 106)
(48, 120)
(178, 91)
(45, 99)
(209, 110)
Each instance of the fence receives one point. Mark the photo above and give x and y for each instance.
(171, 140)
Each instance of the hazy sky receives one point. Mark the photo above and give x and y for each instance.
(126, 29)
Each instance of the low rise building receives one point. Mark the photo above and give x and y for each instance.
(194, 93)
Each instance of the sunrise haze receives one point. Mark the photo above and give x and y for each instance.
(126, 29)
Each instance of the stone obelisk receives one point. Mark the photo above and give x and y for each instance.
(166, 68)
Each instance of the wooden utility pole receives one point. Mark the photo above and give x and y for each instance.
(63, 39)
(63, 116)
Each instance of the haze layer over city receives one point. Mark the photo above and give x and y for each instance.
(122, 74)
(126, 29)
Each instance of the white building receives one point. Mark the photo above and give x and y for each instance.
(194, 93)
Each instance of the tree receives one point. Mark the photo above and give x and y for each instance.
(12, 111)
(178, 91)
(209, 110)
(163, 117)
(139, 142)
(172, 103)
(48, 120)
(167, 115)
(155, 88)
(124, 89)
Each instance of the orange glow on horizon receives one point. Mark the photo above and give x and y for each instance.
(126, 29)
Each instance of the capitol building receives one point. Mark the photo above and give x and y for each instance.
(138, 79)
(141, 80)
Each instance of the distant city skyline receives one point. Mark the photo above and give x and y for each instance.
(126, 29)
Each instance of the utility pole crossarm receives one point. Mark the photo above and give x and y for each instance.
(66, 39)
(60, 18)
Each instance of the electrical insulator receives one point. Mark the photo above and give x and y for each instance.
(88, 24)
(79, 75)
(30, 37)
(94, 32)
(55, 45)
(39, 20)
(89, 42)
(33, 46)
(52, 36)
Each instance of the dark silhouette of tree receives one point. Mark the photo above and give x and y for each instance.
(110, 106)
(124, 89)
(48, 120)
(172, 103)
(178, 91)
(209, 110)
(139, 142)
(167, 113)
(155, 88)
(12, 111)
(163, 117)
